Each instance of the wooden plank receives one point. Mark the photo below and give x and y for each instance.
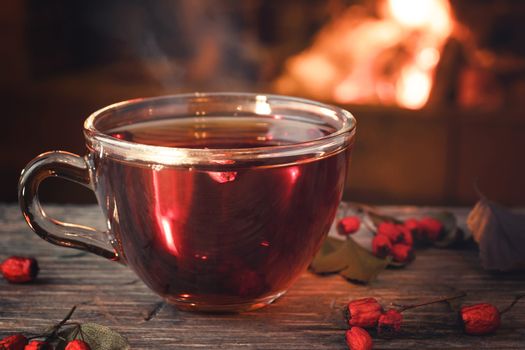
(308, 316)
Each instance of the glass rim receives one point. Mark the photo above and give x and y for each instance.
(102, 142)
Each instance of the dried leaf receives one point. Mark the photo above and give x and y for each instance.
(97, 336)
(500, 234)
(349, 259)
(373, 214)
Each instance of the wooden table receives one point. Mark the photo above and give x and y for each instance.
(307, 317)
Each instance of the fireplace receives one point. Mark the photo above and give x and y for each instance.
(437, 85)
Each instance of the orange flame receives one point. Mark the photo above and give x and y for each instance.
(361, 59)
(432, 18)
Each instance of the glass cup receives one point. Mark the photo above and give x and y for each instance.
(216, 201)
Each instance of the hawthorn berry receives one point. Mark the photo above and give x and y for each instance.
(13, 342)
(389, 322)
(381, 246)
(37, 345)
(405, 235)
(348, 225)
(18, 269)
(77, 344)
(402, 253)
(363, 312)
(415, 228)
(390, 230)
(478, 319)
(432, 228)
(358, 339)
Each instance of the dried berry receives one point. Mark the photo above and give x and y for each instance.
(13, 342)
(17, 269)
(77, 344)
(389, 322)
(480, 319)
(348, 225)
(37, 345)
(405, 235)
(358, 339)
(432, 228)
(390, 230)
(381, 246)
(364, 312)
(402, 253)
(415, 227)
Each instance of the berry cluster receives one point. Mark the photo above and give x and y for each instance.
(396, 239)
(367, 313)
(18, 269)
(20, 342)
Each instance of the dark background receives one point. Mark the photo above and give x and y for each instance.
(62, 60)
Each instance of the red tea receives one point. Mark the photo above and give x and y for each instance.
(229, 234)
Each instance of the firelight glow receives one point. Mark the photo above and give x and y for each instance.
(168, 235)
(262, 107)
(294, 174)
(163, 219)
(387, 58)
(415, 13)
(413, 88)
(433, 19)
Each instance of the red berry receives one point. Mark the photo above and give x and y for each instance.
(358, 339)
(414, 226)
(381, 246)
(13, 342)
(37, 345)
(390, 230)
(77, 344)
(480, 319)
(390, 322)
(364, 312)
(405, 235)
(348, 225)
(402, 253)
(17, 269)
(432, 228)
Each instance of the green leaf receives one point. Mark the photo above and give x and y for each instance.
(97, 336)
(349, 259)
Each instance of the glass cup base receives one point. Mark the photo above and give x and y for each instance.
(208, 307)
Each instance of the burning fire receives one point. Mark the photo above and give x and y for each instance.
(389, 59)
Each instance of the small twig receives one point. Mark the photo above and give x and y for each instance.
(154, 311)
(81, 333)
(54, 330)
(406, 307)
(77, 330)
(516, 299)
(68, 316)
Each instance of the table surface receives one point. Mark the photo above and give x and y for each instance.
(307, 317)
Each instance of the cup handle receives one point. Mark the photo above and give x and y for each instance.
(71, 167)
